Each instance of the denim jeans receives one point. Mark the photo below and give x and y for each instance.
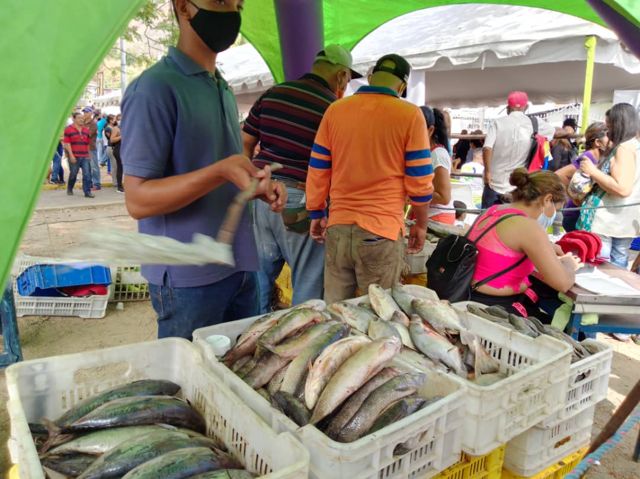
(490, 197)
(183, 310)
(84, 165)
(616, 250)
(95, 169)
(102, 153)
(276, 245)
(57, 173)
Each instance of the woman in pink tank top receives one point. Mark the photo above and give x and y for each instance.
(512, 242)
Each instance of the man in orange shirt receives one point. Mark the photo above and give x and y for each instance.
(371, 154)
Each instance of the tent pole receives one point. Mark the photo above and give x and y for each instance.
(301, 29)
(590, 45)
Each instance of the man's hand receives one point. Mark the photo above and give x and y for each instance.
(72, 160)
(239, 170)
(417, 237)
(318, 230)
(279, 190)
(486, 176)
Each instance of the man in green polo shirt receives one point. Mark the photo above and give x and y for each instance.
(183, 164)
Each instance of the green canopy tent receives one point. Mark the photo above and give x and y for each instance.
(50, 50)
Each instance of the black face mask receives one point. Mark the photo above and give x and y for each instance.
(218, 30)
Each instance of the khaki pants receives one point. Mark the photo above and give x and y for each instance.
(355, 258)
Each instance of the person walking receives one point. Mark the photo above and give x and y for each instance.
(57, 172)
(100, 143)
(284, 121)
(115, 138)
(183, 167)
(507, 145)
(92, 125)
(611, 210)
(77, 139)
(371, 153)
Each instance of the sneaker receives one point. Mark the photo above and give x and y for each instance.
(120, 190)
(96, 188)
(89, 195)
(69, 192)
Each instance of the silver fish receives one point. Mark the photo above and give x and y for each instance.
(355, 316)
(382, 302)
(441, 316)
(436, 346)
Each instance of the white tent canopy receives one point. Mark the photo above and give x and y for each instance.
(474, 54)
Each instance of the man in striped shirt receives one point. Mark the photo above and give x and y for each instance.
(284, 121)
(76, 142)
(370, 156)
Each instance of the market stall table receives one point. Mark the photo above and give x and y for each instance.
(617, 314)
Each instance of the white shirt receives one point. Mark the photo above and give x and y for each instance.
(510, 139)
(440, 158)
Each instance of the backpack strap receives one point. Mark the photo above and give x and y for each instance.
(534, 124)
(506, 270)
(496, 223)
(498, 274)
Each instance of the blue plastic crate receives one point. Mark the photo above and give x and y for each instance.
(40, 277)
(635, 244)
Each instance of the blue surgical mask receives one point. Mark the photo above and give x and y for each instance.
(547, 221)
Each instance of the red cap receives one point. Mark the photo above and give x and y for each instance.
(517, 99)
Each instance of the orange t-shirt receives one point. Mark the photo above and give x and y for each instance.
(371, 152)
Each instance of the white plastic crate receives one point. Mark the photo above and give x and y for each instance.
(47, 387)
(536, 386)
(540, 447)
(588, 382)
(438, 427)
(128, 284)
(88, 307)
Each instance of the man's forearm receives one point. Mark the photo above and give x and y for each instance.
(487, 155)
(163, 196)
(422, 215)
(249, 143)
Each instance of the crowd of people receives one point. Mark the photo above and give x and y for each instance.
(336, 210)
(91, 140)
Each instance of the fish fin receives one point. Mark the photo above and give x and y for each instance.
(56, 437)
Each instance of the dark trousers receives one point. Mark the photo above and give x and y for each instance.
(116, 155)
(183, 310)
(490, 197)
(569, 223)
(57, 173)
(83, 164)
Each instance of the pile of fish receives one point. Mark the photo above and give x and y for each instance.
(140, 430)
(531, 327)
(308, 364)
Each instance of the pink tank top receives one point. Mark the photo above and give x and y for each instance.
(495, 256)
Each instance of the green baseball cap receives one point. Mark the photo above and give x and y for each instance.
(338, 55)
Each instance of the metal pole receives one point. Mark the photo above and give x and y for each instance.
(301, 30)
(590, 45)
(123, 67)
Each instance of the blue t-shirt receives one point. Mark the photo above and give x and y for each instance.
(178, 118)
(101, 124)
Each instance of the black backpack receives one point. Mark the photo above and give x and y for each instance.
(533, 145)
(451, 266)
